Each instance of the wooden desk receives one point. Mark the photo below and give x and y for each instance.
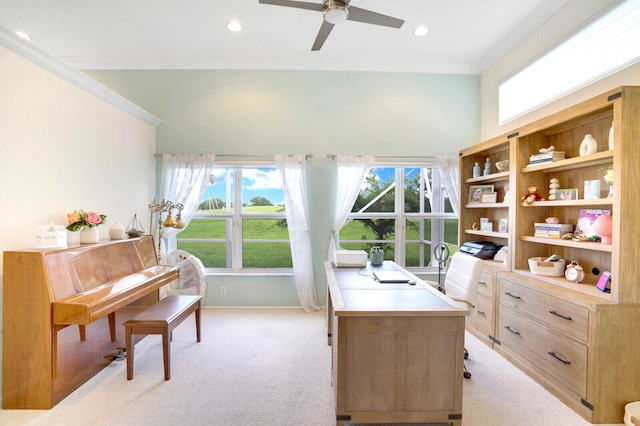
(397, 349)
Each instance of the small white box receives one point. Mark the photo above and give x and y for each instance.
(51, 237)
(351, 258)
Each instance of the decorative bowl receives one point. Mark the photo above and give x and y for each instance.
(502, 166)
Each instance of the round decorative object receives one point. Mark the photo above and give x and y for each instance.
(574, 272)
(116, 232)
(603, 225)
(89, 235)
(588, 146)
(502, 166)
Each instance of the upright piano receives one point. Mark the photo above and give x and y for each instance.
(63, 312)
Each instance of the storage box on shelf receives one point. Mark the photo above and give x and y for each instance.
(571, 337)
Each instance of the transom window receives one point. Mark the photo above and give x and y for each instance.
(241, 222)
(406, 219)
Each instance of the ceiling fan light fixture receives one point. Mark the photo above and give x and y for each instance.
(420, 31)
(335, 12)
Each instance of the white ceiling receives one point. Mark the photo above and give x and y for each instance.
(466, 36)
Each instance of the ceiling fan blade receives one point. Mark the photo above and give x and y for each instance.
(369, 17)
(325, 29)
(297, 4)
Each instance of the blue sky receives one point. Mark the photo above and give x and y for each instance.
(265, 182)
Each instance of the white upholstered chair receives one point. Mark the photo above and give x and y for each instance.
(461, 283)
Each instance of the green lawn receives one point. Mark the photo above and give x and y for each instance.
(269, 254)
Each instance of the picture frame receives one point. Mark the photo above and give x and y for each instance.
(475, 192)
(567, 194)
(604, 282)
(591, 189)
(488, 197)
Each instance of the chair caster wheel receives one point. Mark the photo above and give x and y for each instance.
(467, 375)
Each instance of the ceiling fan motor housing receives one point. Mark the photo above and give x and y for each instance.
(335, 11)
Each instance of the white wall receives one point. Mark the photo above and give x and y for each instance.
(296, 112)
(61, 149)
(558, 26)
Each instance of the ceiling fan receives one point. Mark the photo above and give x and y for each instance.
(336, 11)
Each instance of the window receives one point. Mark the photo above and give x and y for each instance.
(406, 220)
(604, 46)
(241, 222)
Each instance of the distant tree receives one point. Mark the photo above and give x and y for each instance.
(260, 201)
(212, 204)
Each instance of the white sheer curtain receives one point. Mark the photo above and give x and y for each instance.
(352, 171)
(293, 171)
(184, 179)
(450, 172)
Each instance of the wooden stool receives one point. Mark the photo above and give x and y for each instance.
(161, 318)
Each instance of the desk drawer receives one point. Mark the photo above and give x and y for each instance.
(552, 355)
(556, 313)
(482, 316)
(486, 284)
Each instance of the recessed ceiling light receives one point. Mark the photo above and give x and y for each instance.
(420, 31)
(23, 36)
(234, 26)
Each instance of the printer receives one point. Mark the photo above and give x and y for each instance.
(480, 249)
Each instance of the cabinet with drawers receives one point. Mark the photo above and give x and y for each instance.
(482, 320)
(577, 341)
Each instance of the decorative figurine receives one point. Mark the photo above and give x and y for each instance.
(553, 188)
(531, 196)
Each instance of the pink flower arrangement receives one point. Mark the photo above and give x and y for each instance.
(78, 219)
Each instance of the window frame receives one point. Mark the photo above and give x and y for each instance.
(401, 217)
(234, 217)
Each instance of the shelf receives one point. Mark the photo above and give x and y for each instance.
(494, 177)
(603, 157)
(486, 233)
(487, 206)
(571, 203)
(569, 243)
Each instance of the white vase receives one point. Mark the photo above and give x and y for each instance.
(588, 146)
(611, 137)
(89, 235)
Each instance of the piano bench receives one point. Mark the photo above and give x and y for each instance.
(161, 318)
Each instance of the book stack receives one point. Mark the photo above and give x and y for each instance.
(551, 230)
(546, 157)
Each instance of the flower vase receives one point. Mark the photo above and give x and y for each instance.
(610, 191)
(89, 235)
(588, 146)
(603, 226)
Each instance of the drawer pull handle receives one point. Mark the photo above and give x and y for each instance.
(512, 295)
(482, 283)
(482, 313)
(513, 331)
(553, 354)
(559, 315)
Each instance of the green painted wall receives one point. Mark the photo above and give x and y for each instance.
(311, 112)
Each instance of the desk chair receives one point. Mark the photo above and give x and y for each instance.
(461, 284)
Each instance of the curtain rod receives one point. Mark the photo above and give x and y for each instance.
(393, 157)
(307, 156)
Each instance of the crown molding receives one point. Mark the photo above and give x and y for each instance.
(73, 76)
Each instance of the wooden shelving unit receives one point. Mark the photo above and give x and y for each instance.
(595, 368)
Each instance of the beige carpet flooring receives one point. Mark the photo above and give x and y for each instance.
(269, 367)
